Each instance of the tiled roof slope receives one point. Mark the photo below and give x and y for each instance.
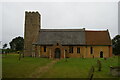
(62, 36)
(98, 38)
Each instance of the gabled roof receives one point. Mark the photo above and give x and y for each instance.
(97, 38)
(73, 37)
(62, 36)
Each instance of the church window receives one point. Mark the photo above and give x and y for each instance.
(57, 44)
(44, 48)
(70, 49)
(78, 50)
(91, 50)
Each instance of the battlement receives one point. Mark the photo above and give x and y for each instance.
(32, 13)
(32, 17)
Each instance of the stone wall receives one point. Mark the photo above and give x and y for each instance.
(97, 50)
(32, 27)
(84, 51)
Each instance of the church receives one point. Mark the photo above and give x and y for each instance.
(64, 43)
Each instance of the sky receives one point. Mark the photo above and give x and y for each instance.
(119, 17)
(59, 15)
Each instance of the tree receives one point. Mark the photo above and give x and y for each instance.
(116, 44)
(17, 44)
(4, 46)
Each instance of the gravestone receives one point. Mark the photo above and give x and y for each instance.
(115, 71)
(105, 58)
(91, 73)
(66, 59)
(19, 54)
(99, 65)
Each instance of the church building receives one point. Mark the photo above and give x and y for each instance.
(64, 43)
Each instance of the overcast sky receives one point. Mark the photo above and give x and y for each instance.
(65, 15)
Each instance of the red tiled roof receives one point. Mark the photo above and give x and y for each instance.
(97, 38)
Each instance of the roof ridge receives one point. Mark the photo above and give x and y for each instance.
(52, 30)
(96, 30)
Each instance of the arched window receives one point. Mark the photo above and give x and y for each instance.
(57, 44)
(78, 50)
(101, 54)
(44, 48)
(91, 50)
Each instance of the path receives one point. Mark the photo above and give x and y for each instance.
(41, 70)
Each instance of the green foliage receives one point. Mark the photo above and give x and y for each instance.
(17, 44)
(116, 45)
(8, 50)
(4, 46)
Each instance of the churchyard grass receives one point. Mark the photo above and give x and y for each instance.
(13, 68)
(72, 68)
(79, 68)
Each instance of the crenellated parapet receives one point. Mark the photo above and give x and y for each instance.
(32, 13)
(32, 17)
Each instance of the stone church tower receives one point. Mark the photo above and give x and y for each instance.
(31, 31)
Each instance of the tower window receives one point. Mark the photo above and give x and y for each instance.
(65, 51)
(78, 50)
(91, 50)
(44, 48)
(57, 44)
(70, 49)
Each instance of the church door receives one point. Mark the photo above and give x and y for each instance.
(57, 53)
(101, 54)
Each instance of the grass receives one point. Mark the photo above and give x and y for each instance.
(12, 67)
(73, 68)
(79, 68)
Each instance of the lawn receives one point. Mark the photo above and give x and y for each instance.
(79, 68)
(13, 68)
(73, 68)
